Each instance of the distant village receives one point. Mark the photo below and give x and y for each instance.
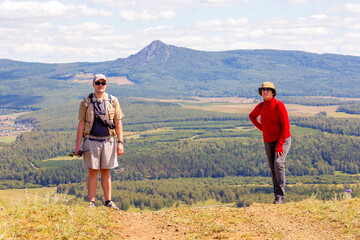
(8, 127)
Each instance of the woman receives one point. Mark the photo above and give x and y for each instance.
(275, 126)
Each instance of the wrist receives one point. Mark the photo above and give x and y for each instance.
(119, 141)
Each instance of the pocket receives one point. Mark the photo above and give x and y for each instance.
(86, 144)
(111, 114)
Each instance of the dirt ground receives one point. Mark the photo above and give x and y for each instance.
(259, 221)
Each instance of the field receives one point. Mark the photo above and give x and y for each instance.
(16, 197)
(240, 105)
(87, 78)
(52, 217)
(293, 109)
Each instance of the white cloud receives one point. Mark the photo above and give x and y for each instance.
(157, 29)
(354, 27)
(352, 35)
(299, 2)
(161, 4)
(311, 2)
(245, 45)
(92, 34)
(305, 31)
(257, 33)
(320, 16)
(190, 41)
(87, 29)
(36, 10)
(40, 29)
(353, 7)
(222, 24)
(145, 15)
(87, 41)
(48, 51)
(42, 49)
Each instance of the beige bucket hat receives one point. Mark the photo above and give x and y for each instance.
(268, 85)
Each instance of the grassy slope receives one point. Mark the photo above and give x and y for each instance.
(54, 218)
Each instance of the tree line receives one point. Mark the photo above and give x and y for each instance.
(346, 126)
(216, 158)
(314, 101)
(158, 194)
(350, 108)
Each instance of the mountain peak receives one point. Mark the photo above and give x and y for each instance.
(157, 44)
(156, 51)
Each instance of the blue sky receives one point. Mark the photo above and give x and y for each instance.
(60, 31)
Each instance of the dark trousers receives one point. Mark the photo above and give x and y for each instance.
(277, 166)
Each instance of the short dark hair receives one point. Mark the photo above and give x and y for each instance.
(272, 90)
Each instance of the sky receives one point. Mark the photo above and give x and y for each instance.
(65, 31)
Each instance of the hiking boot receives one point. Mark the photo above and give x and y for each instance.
(111, 204)
(279, 200)
(91, 205)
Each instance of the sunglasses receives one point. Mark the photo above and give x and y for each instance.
(100, 83)
(266, 89)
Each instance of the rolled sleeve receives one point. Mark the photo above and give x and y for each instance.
(82, 111)
(118, 112)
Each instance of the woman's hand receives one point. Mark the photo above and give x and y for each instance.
(279, 154)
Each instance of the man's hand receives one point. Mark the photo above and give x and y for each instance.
(120, 149)
(78, 153)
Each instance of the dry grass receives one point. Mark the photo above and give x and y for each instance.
(51, 217)
(45, 215)
(61, 158)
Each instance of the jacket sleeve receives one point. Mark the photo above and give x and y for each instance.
(284, 119)
(253, 116)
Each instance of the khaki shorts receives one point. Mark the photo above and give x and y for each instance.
(100, 154)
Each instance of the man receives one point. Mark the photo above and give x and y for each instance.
(275, 126)
(99, 123)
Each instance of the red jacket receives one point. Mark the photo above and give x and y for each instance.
(274, 122)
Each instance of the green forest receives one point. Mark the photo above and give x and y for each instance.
(174, 156)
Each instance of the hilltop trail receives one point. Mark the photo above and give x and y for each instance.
(259, 221)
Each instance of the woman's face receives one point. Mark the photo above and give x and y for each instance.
(267, 93)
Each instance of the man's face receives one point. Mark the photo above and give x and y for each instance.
(100, 86)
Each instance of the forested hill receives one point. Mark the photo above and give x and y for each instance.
(163, 71)
(239, 72)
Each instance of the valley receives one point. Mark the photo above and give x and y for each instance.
(194, 167)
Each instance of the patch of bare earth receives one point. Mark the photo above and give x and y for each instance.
(259, 221)
(87, 78)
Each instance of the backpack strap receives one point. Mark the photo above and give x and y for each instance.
(110, 98)
(91, 96)
(90, 99)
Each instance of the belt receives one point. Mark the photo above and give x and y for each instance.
(99, 139)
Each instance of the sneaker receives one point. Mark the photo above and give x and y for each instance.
(112, 205)
(279, 200)
(91, 205)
